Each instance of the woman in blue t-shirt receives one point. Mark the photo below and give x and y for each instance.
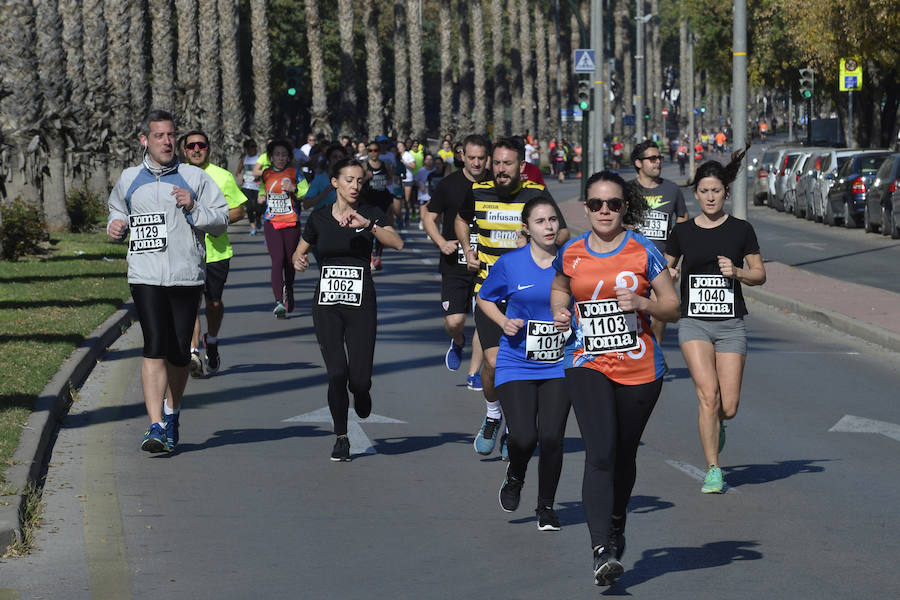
(529, 372)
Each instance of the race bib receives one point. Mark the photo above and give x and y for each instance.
(655, 225)
(341, 285)
(710, 296)
(473, 243)
(279, 204)
(605, 328)
(148, 233)
(378, 181)
(543, 343)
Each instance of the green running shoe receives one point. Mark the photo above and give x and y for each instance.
(721, 436)
(713, 484)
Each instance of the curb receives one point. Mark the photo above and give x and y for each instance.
(840, 322)
(50, 409)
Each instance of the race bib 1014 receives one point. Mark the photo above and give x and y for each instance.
(543, 343)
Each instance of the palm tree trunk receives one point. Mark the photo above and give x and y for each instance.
(188, 68)
(210, 82)
(137, 39)
(654, 85)
(465, 71)
(401, 71)
(555, 65)
(446, 29)
(122, 127)
(682, 73)
(163, 87)
(95, 56)
(73, 40)
(416, 75)
(479, 110)
(318, 118)
(262, 92)
(232, 104)
(543, 101)
(375, 96)
(527, 73)
(499, 70)
(515, 68)
(623, 57)
(347, 107)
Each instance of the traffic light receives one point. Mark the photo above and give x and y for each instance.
(702, 110)
(807, 82)
(647, 113)
(584, 94)
(292, 80)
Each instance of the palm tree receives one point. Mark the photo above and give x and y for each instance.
(479, 110)
(499, 70)
(318, 117)
(188, 71)
(464, 63)
(527, 75)
(622, 43)
(137, 38)
(259, 51)
(348, 105)
(163, 83)
(556, 64)
(232, 105)
(515, 68)
(654, 83)
(73, 40)
(416, 75)
(401, 70)
(543, 101)
(445, 28)
(210, 84)
(95, 57)
(118, 19)
(375, 98)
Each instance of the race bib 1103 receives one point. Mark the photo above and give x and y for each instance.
(606, 328)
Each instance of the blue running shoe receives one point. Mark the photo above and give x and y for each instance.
(454, 355)
(473, 382)
(280, 311)
(504, 451)
(154, 439)
(171, 422)
(487, 436)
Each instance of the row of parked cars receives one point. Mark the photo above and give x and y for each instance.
(834, 186)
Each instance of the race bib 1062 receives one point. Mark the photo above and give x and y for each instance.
(340, 285)
(148, 233)
(543, 343)
(606, 328)
(710, 296)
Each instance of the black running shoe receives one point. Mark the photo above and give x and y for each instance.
(607, 567)
(341, 450)
(510, 492)
(617, 542)
(547, 519)
(362, 404)
(212, 356)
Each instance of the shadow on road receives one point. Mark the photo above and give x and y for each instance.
(408, 444)
(739, 475)
(229, 437)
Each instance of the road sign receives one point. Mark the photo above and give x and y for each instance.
(584, 60)
(570, 115)
(629, 120)
(665, 112)
(696, 111)
(850, 78)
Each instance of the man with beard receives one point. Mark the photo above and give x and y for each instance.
(495, 209)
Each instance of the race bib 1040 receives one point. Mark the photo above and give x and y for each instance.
(606, 328)
(148, 233)
(543, 343)
(655, 225)
(340, 285)
(710, 296)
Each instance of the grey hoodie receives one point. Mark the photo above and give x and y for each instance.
(166, 245)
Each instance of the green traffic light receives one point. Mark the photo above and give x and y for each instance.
(807, 93)
(292, 91)
(703, 109)
(583, 105)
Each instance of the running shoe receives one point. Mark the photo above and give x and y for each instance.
(473, 382)
(154, 439)
(547, 519)
(196, 364)
(721, 436)
(453, 358)
(253, 232)
(362, 404)
(280, 311)
(510, 492)
(617, 542)
(212, 356)
(504, 451)
(376, 265)
(713, 484)
(341, 450)
(487, 436)
(171, 422)
(607, 567)
(421, 226)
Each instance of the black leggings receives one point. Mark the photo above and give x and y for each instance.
(336, 327)
(255, 210)
(536, 412)
(167, 317)
(612, 418)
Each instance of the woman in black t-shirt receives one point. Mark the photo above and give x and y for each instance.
(344, 305)
(718, 253)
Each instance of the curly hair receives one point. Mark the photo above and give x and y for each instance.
(637, 205)
(724, 173)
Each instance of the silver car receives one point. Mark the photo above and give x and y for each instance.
(795, 174)
(759, 175)
(832, 161)
(782, 176)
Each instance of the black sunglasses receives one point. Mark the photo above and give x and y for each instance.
(614, 204)
(658, 157)
(196, 146)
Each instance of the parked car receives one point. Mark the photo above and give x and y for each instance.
(806, 183)
(832, 161)
(893, 219)
(795, 173)
(759, 175)
(878, 207)
(776, 200)
(847, 197)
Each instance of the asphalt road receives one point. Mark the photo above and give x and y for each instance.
(251, 505)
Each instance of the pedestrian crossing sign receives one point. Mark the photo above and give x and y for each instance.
(584, 60)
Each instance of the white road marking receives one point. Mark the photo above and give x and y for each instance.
(851, 424)
(359, 441)
(698, 474)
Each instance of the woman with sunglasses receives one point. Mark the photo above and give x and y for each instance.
(377, 192)
(614, 366)
(529, 371)
(344, 308)
(283, 184)
(718, 253)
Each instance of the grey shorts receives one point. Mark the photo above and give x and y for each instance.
(727, 337)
